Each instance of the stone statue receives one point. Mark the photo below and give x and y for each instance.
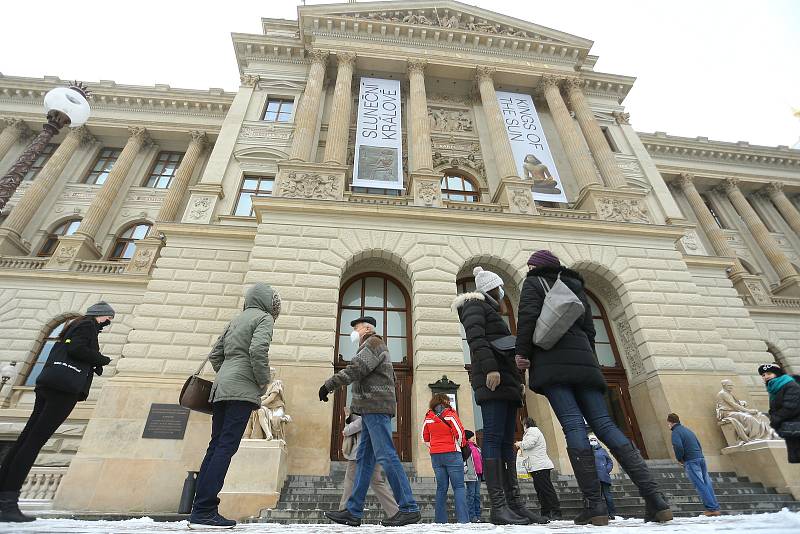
(749, 424)
(270, 420)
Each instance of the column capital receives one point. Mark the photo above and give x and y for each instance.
(729, 185)
(22, 128)
(346, 58)
(573, 82)
(621, 117)
(140, 134)
(249, 80)
(199, 137)
(317, 55)
(416, 65)
(550, 80)
(774, 188)
(482, 72)
(85, 137)
(685, 179)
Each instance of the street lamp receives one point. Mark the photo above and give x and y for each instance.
(65, 106)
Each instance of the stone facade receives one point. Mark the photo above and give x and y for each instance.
(685, 302)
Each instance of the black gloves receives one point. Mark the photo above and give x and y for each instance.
(323, 393)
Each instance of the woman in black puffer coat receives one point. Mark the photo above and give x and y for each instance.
(570, 377)
(64, 381)
(784, 405)
(497, 385)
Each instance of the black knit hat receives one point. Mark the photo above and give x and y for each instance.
(365, 319)
(100, 309)
(771, 368)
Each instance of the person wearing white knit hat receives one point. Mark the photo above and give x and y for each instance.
(485, 281)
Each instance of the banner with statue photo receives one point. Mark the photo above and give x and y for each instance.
(529, 145)
(378, 161)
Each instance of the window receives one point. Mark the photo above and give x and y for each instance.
(102, 166)
(164, 169)
(376, 191)
(609, 139)
(65, 228)
(41, 357)
(605, 348)
(279, 110)
(44, 156)
(258, 186)
(460, 188)
(125, 246)
(713, 213)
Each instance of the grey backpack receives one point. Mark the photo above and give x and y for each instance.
(560, 310)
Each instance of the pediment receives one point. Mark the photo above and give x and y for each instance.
(444, 15)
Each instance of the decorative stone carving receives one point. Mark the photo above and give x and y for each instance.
(444, 120)
(428, 192)
(65, 254)
(200, 207)
(268, 131)
(470, 162)
(249, 80)
(691, 244)
(448, 99)
(758, 293)
(748, 424)
(270, 420)
(416, 65)
(622, 210)
(346, 58)
(143, 258)
(84, 135)
(621, 117)
(140, 133)
(632, 356)
(521, 200)
(317, 55)
(310, 185)
(483, 72)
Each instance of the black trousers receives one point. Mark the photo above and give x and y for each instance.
(546, 493)
(50, 410)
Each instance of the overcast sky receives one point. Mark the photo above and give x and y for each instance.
(724, 69)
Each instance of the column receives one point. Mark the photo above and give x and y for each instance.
(598, 145)
(707, 223)
(418, 117)
(27, 206)
(180, 182)
(305, 123)
(14, 130)
(784, 205)
(579, 158)
(339, 123)
(771, 250)
(98, 209)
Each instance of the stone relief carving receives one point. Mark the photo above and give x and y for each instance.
(249, 80)
(757, 292)
(621, 117)
(65, 254)
(452, 22)
(748, 424)
(310, 185)
(521, 199)
(264, 132)
(142, 259)
(448, 99)
(622, 210)
(469, 162)
(445, 120)
(689, 242)
(632, 356)
(200, 207)
(428, 192)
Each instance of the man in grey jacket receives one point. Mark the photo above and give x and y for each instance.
(240, 359)
(372, 375)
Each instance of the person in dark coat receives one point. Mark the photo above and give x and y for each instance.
(569, 375)
(58, 390)
(497, 386)
(604, 464)
(784, 404)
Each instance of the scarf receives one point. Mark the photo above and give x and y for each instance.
(775, 385)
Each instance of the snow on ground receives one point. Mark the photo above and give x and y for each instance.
(783, 522)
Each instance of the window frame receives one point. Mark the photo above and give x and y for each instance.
(52, 237)
(612, 341)
(41, 160)
(281, 100)
(36, 359)
(254, 192)
(465, 178)
(101, 156)
(165, 161)
(121, 238)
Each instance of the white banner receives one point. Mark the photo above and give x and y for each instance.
(378, 159)
(531, 152)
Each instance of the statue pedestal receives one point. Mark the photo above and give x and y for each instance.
(766, 462)
(255, 478)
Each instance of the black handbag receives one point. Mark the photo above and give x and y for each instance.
(789, 429)
(196, 392)
(505, 345)
(64, 373)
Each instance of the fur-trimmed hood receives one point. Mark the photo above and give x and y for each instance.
(461, 299)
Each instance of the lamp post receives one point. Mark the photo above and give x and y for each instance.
(65, 106)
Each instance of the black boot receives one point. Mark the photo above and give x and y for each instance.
(500, 514)
(514, 496)
(9, 508)
(656, 505)
(594, 506)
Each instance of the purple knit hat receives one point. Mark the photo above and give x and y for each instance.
(543, 258)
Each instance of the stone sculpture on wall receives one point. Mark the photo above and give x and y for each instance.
(446, 120)
(270, 420)
(748, 424)
(310, 185)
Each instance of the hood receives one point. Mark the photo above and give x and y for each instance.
(263, 297)
(460, 300)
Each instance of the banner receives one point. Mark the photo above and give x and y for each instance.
(531, 152)
(378, 159)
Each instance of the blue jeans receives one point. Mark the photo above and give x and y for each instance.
(572, 405)
(606, 489)
(376, 446)
(697, 472)
(474, 499)
(499, 423)
(228, 421)
(449, 470)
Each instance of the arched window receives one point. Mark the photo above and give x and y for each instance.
(44, 351)
(606, 350)
(66, 228)
(456, 186)
(125, 245)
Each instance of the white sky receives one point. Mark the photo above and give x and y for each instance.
(725, 69)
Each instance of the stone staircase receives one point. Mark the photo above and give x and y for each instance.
(304, 499)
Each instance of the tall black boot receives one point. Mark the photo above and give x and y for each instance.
(500, 514)
(594, 505)
(514, 496)
(9, 508)
(656, 505)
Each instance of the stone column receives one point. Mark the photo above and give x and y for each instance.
(771, 250)
(579, 158)
(418, 117)
(339, 123)
(180, 182)
(15, 130)
(26, 208)
(715, 234)
(305, 123)
(598, 145)
(784, 205)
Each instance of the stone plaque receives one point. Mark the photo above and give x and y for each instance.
(166, 421)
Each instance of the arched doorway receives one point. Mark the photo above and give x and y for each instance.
(618, 397)
(384, 298)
